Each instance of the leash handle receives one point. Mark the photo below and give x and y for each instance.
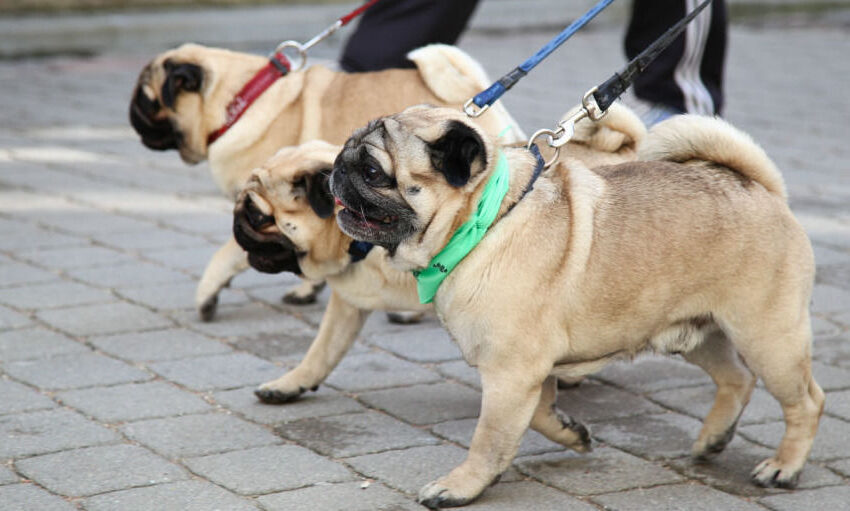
(482, 101)
(298, 54)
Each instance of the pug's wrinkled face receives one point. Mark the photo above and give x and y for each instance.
(167, 104)
(283, 216)
(406, 181)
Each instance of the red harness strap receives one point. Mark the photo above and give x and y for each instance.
(265, 77)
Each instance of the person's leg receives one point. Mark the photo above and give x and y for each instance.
(688, 75)
(390, 29)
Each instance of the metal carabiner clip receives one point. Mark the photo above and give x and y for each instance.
(296, 60)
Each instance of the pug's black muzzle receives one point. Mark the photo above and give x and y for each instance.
(268, 253)
(157, 134)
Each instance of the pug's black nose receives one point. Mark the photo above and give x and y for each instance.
(256, 218)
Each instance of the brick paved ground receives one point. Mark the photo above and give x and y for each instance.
(114, 397)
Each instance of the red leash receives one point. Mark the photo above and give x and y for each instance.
(279, 65)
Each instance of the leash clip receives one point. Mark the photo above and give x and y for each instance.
(473, 110)
(591, 107)
(297, 59)
(558, 137)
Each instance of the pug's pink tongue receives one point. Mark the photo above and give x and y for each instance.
(338, 202)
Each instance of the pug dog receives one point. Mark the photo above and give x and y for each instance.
(182, 95)
(691, 250)
(285, 220)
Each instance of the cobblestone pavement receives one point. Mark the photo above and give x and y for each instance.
(113, 396)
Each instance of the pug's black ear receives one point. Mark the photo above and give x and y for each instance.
(453, 154)
(319, 193)
(180, 77)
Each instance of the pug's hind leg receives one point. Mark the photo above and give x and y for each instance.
(718, 357)
(340, 325)
(230, 260)
(510, 397)
(305, 293)
(557, 428)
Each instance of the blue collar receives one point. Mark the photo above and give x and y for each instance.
(358, 250)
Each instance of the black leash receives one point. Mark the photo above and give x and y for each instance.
(596, 101)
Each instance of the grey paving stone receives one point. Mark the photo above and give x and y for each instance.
(409, 470)
(831, 378)
(217, 371)
(604, 470)
(180, 496)
(148, 239)
(824, 328)
(28, 497)
(159, 345)
(53, 294)
(37, 342)
(526, 495)
(426, 404)
(12, 319)
(377, 371)
(695, 497)
(461, 371)
(268, 469)
(697, 401)
(833, 351)
(730, 470)
(103, 319)
(838, 404)
(73, 371)
(830, 442)
(347, 496)
(93, 470)
(282, 347)
(124, 275)
(460, 431)
(835, 497)
(20, 398)
(16, 274)
(178, 295)
(196, 435)
(321, 403)
(353, 434)
(41, 432)
(830, 299)
(247, 320)
(653, 437)
(190, 259)
(824, 255)
(591, 402)
(419, 344)
(133, 402)
(76, 257)
(841, 466)
(7, 476)
(86, 223)
(650, 374)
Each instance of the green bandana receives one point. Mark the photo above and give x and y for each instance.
(467, 236)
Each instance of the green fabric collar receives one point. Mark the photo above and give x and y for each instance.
(467, 236)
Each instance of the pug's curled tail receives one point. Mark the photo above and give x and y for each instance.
(454, 77)
(620, 129)
(692, 137)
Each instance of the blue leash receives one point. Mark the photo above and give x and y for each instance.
(484, 99)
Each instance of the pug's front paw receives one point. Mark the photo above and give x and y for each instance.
(451, 491)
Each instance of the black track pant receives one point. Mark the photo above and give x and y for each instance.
(688, 75)
(390, 29)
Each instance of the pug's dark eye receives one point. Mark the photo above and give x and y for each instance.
(374, 176)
